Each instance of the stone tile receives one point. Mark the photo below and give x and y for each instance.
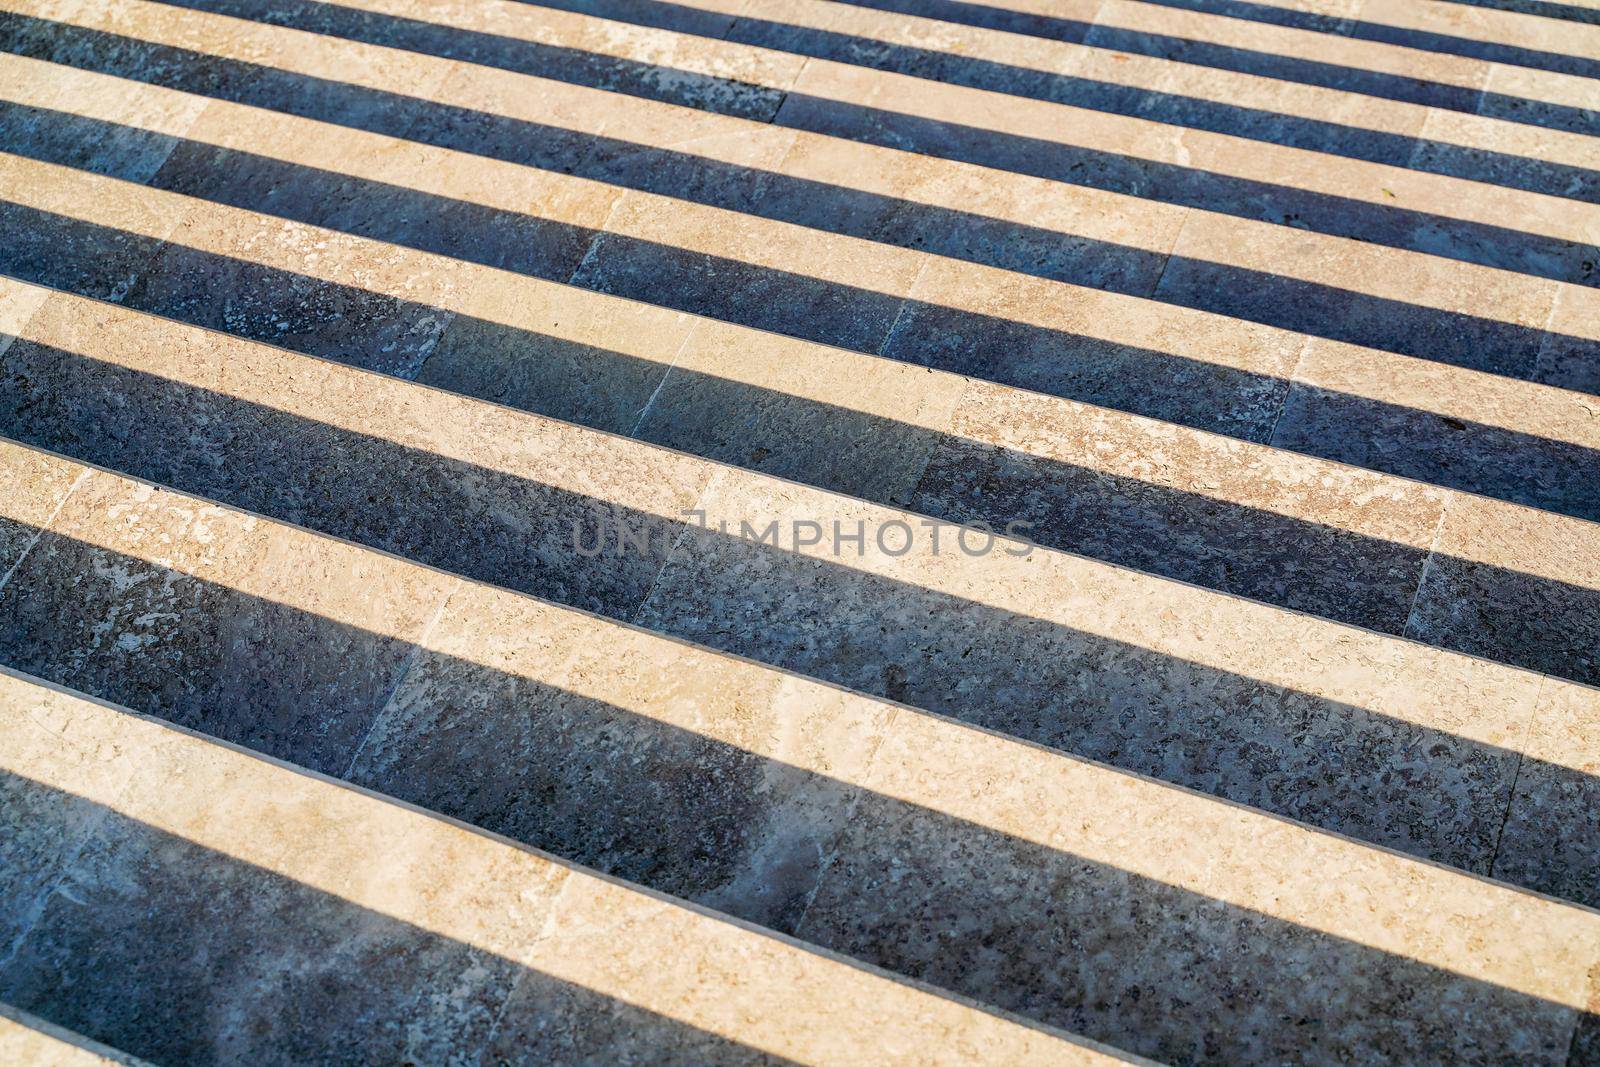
(1335, 541)
(1032, 137)
(473, 488)
(36, 486)
(1482, 433)
(1315, 48)
(640, 61)
(583, 357)
(1554, 162)
(1434, 209)
(701, 158)
(1282, 112)
(251, 276)
(1540, 98)
(828, 417)
(219, 915)
(978, 215)
(500, 114)
(1387, 741)
(749, 271)
(1359, 293)
(487, 212)
(898, 40)
(1570, 358)
(49, 239)
(857, 189)
(49, 97)
(1454, 27)
(776, 997)
(700, 776)
(44, 832)
(1178, 928)
(1551, 839)
(159, 46)
(215, 620)
(1199, 370)
(1514, 585)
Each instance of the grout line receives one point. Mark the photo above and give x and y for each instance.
(714, 482)
(39, 532)
(525, 965)
(825, 869)
(899, 314)
(399, 681)
(1177, 239)
(672, 364)
(1292, 380)
(1516, 772)
(1422, 577)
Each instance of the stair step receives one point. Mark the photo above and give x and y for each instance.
(210, 904)
(1299, 715)
(843, 820)
(1346, 197)
(477, 437)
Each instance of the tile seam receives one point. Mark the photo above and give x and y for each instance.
(868, 782)
(400, 677)
(1291, 380)
(1407, 628)
(44, 526)
(525, 964)
(666, 376)
(1516, 772)
(672, 554)
(36, 910)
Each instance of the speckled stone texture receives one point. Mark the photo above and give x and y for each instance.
(217, 908)
(26, 1038)
(405, 336)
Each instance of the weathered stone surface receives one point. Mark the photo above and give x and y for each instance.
(339, 927)
(1145, 277)
(26, 1038)
(1281, 711)
(194, 612)
(1552, 833)
(1505, 584)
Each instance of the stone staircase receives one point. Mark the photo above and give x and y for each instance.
(720, 531)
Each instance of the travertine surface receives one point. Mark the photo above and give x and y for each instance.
(228, 909)
(787, 802)
(440, 366)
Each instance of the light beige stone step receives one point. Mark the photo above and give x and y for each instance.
(1443, 68)
(1194, 923)
(28, 1039)
(1166, 678)
(1363, 110)
(357, 929)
